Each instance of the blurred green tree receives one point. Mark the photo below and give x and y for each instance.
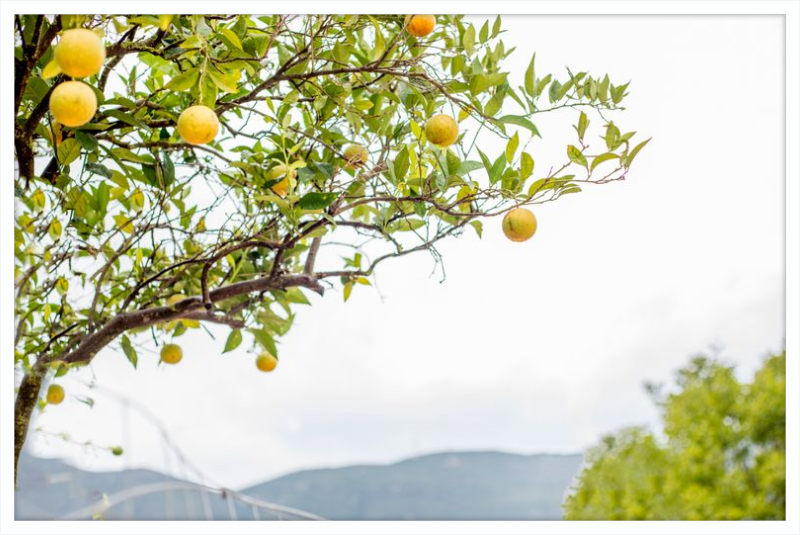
(722, 457)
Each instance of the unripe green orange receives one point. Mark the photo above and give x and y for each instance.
(198, 125)
(441, 130)
(421, 25)
(55, 394)
(73, 103)
(282, 187)
(80, 53)
(266, 362)
(171, 354)
(519, 224)
(356, 156)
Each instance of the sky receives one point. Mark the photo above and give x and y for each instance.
(542, 346)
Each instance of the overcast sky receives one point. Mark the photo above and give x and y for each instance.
(534, 347)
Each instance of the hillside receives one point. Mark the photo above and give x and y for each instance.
(443, 486)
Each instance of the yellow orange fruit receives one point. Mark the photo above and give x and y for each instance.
(55, 394)
(198, 125)
(266, 362)
(80, 53)
(282, 187)
(421, 25)
(171, 354)
(441, 130)
(73, 103)
(519, 224)
(355, 156)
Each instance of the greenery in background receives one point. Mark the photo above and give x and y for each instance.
(129, 233)
(722, 457)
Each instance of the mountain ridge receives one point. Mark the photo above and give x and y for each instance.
(442, 485)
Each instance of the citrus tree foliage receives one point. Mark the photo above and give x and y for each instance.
(125, 232)
(723, 456)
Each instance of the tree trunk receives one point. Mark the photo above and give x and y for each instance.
(27, 396)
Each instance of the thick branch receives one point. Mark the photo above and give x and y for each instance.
(96, 341)
(27, 396)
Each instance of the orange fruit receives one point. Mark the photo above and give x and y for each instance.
(519, 224)
(80, 53)
(421, 25)
(441, 130)
(198, 125)
(266, 362)
(171, 354)
(73, 103)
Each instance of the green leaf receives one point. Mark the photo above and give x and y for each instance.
(511, 147)
(348, 289)
(221, 82)
(233, 341)
(526, 166)
(167, 169)
(129, 350)
(520, 121)
(232, 37)
(617, 93)
(481, 82)
(99, 169)
(602, 158)
(602, 89)
(68, 151)
(612, 136)
(317, 201)
(405, 225)
(635, 151)
(164, 21)
(478, 226)
(467, 166)
(184, 81)
(468, 40)
(576, 156)
(54, 229)
(50, 70)
(401, 164)
(496, 27)
(530, 78)
(496, 172)
(265, 340)
(88, 142)
(296, 295)
(554, 88)
(583, 123)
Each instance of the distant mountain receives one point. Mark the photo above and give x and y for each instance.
(443, 486)
(48, 489)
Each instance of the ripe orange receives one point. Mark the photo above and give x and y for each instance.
(421, 25)
(441, 130)
(266, 362)
(73, 103)
(55, 394)
(519, 224)
(80, 53)
(198, 125)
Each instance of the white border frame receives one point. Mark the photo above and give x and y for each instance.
(790, 9)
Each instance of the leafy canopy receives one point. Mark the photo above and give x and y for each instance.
(723, 455)
(123, 228)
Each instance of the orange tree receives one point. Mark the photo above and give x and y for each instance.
(173, 170)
